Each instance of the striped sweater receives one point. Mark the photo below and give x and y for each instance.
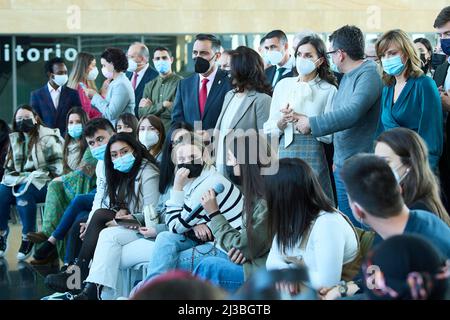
(184, 210)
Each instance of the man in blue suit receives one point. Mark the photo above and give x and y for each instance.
(200, 97)
(139, 71)
(53, 101)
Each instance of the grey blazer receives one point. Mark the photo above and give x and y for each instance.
(253, 113)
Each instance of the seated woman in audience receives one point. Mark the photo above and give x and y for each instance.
(152, 135)
(406, 267)
(128, 167)
(305, 226)
(247, 249)
(410, 99)
(120, 95)
(84, 72)
(79, 179)
(407, 155)
(186, 219)
(4, 145)
(310, 94)
(34, 159)
(128, 123)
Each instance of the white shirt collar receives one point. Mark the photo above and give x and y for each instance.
(210, 77)
(51, 89)
(142, 72)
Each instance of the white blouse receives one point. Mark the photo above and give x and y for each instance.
(331, 244)
(311, 98)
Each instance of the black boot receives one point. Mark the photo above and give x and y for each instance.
(91, 291)
(65, 281)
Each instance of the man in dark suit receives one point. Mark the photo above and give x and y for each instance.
(276, 53)
(200, 97)
(139, 71)
(442, 78)
(53, 101)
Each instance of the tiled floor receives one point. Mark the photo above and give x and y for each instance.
(20, 280)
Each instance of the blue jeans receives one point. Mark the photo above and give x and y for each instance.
(78, 207)
(74, 243)
(342, 198)
(221, 272)
(25, 204)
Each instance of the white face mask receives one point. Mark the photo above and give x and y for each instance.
(274, 57)
(60, 80)
(92, 75)
(148, 138)
(132, 65)
(106, 73)
(305, 66)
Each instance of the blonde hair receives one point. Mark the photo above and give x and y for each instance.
(403, 42)
(79, 71)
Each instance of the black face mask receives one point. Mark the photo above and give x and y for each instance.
(195, 169)
(25, 125)
(436, 60)
(425, 63)
(233, 178)
(201, 65)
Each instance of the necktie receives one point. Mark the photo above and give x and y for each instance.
(134, 81)
(203, 96)
(278, 76)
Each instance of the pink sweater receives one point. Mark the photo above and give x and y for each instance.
(86, 105)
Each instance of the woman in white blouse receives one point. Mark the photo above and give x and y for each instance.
(310, 94)
(305, 227)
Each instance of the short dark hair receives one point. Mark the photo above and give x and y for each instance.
(215, 42)
(442, 18)
(117, 57)
(129, 120)
(349, 39)
(371, 183)
(50, 63)
(277, 34)
(97, 124)
(163, 49)
(261, 42)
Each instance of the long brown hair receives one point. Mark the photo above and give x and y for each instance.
(34, 133)
(420, 184)
(80, 71)
(402, 41)
(159, 126)
(68, 139)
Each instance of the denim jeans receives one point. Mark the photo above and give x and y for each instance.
(78, 207)
(73, 244)
(25, 205)
(221, 272)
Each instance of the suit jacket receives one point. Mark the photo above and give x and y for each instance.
(186, 106)
(149, 75)
(441, 74)
(271, 71)
(252, 114)
(41, 101)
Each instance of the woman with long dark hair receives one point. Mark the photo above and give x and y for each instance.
(74, 144)
(127, 122)
(131, 185)
(305, 227)
(152, 135)
(310, 94)
(4, 144)
(34, 159)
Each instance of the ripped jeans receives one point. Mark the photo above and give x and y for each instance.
(25, 205)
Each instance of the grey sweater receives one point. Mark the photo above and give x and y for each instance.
(355, 113)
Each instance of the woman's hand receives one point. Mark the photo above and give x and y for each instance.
(148, 232)
(292, 288)
(209, 202)
(83, 228)
(236, 256)
(90, 93)
(202, 232)
(329, 293)
(181, 179)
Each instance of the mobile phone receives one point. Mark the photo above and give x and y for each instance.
(128, 222)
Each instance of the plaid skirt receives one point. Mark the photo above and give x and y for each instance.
(312, 152)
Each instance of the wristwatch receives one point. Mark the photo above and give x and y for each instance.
(343, 288)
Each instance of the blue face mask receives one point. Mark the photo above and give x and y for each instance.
(393, 66)
(162, 66)
(99, 152)
(445, 46)
(124, 163)
(75, 130)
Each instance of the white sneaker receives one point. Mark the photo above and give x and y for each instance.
(59, 296)
(26, 248)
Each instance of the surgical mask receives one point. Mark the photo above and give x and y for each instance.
(305, 66)
(132, 65)
(195, 169)
(25, 125)
(92, 75)
(99, 152)
(107, 74)
(399, 178)
(75, 130)
(125, 163)
(393, 66)
(162, 66)
(445, 46)
(233, 178)
(148, 138)
(202, 65)
(334, 67)
(274, 57)
(60, 79)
